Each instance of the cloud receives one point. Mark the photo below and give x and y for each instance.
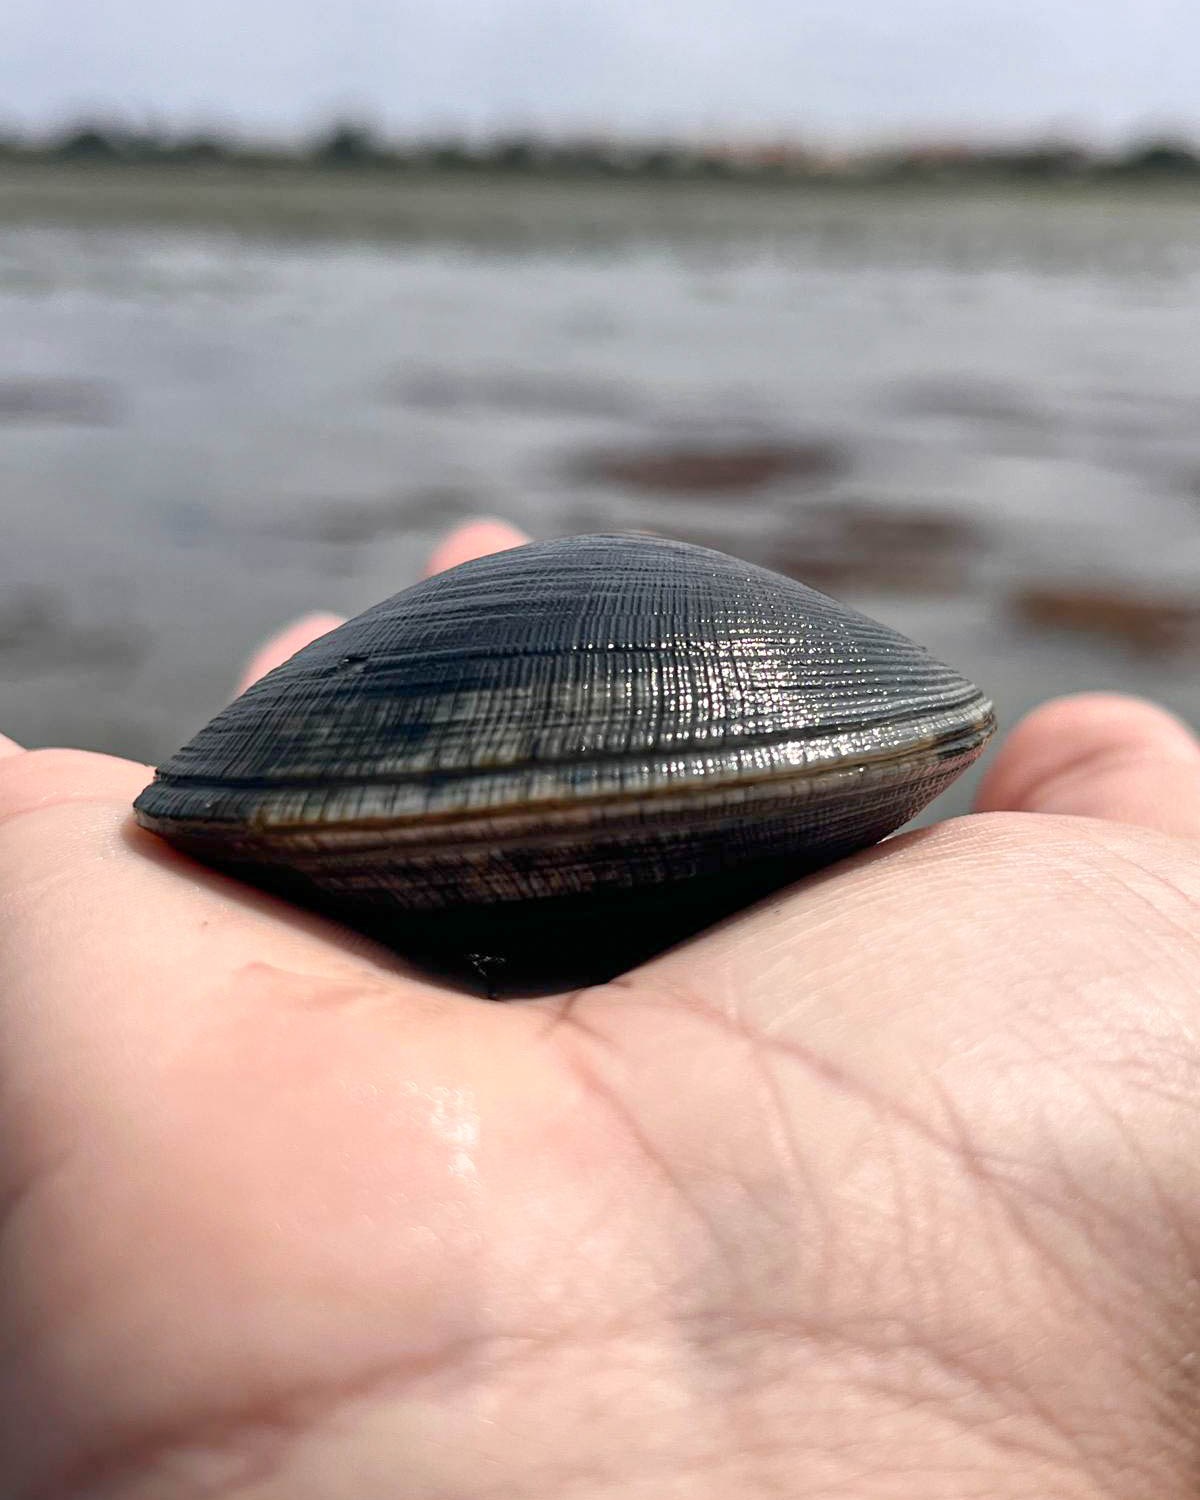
(816, 66)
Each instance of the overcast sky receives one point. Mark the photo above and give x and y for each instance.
(840, 69)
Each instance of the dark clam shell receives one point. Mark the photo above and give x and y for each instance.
(546, 764)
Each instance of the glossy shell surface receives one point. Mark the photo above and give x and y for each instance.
(545, 764)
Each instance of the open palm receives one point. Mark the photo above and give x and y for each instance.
(887, 1188)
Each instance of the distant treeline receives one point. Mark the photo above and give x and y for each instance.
(347, 146)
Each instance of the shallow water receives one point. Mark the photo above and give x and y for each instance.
(216, 413)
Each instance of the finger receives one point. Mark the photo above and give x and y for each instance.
(285, 644)
(474, 539)
(38, 779)
(9, 747)
(1100, 755)
(78, 879)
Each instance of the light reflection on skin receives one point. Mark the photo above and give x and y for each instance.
(454, 1117)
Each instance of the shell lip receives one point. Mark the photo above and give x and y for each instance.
(963, 740)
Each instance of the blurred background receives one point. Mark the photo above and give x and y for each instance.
(901, 299)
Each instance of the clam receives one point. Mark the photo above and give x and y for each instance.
(545, 765)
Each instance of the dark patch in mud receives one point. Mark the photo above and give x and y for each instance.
(38, 632)
(700, 470)
(1144, 619)
(31, 399)
(967, 398)
(863, 545)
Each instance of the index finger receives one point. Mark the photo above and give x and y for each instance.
(280, 647)
(1100, 755)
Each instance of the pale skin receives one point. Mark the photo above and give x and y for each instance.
(886, 1190)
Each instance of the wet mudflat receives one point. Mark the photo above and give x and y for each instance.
(977, 418)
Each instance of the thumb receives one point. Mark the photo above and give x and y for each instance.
(1100, 755)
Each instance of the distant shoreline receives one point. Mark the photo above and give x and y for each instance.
(348, 147)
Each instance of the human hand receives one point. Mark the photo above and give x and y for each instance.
(887, 1188)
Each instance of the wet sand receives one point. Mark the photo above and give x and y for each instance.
(225, 404)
